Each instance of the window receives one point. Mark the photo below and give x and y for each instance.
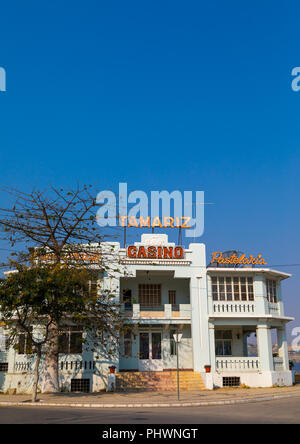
(231, 381)
(144, 346)
(70, 341)
(93, 285)
(156, 345)
(127, 299)
(149, 295)
(24, 345)
(172, 343)
(232, 288)
(271, 291)
(4, 367)
(80, 385)
(223, 342)
(172, 297)
(127, 344)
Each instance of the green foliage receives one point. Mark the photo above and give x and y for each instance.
(61, 295)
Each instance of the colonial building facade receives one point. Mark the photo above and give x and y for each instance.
(227, 316)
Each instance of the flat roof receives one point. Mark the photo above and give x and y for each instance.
(249, 270)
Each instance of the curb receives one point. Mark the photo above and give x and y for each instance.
(148, 405)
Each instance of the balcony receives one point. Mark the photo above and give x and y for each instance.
(240, 364)
(234, 308)
(244, 309)
(167, 311)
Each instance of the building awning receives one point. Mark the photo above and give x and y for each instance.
(252, 270)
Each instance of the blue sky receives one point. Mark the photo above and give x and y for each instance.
(162, 95)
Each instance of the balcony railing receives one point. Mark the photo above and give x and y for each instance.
(237, 364)
(234, 308)
(274, 308)
(76, 365)
(71, 363)
(244, 308)
(278, 364)
(167, 311)
(152, 307)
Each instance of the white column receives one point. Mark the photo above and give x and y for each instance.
(168, 311)
(212, 347)
(195, 326)
(135, 311)
(283, 347)
(280, 301)
(260, 294)
(198, 300)
(210, 303)
(264, 342)
(199, 325)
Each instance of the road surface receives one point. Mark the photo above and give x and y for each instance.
(272, 412)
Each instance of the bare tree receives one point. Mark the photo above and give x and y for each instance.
(59, 227)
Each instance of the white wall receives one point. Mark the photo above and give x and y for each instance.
(256, 379)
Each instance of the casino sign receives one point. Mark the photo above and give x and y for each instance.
(155, 252)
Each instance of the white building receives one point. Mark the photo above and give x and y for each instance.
(166, 289)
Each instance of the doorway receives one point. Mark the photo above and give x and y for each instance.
(150, 353)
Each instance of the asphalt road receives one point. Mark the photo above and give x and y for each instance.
(272, 412)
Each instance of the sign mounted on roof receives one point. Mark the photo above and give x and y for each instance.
(155, 252)
(217, 257)
(155, 209)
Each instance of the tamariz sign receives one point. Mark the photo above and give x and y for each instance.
(154, 252)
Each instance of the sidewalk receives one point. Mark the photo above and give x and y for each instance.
(152, 399)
